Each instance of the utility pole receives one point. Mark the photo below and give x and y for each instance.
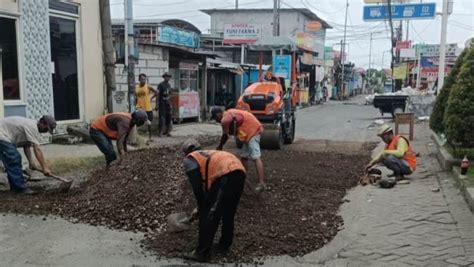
(275, 17)
(130, 53)
(447, 7)
(236, 4)
(343, 49)
(108, 51)
(389, 7)
(370, 52)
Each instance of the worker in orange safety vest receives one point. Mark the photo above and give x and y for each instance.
(217, 179)
(246, 129)
(398, 154)
(115, 126)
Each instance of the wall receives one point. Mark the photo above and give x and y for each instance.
(153, 61)
(93, 82)
(9, 6)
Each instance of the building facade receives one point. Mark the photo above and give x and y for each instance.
(51, 60)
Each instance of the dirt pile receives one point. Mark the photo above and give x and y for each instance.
(298, 213)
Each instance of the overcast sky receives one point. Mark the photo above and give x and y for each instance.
(460, 26)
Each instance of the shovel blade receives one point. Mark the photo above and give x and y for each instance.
(178, 222)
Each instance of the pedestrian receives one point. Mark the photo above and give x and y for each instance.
(143, 99)
(115, 126)
(164, 106)
(397, 155)
(22, 132)
(246, 129)
(217, 179)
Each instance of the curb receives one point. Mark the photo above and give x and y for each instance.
(445, 159)
(466, 189)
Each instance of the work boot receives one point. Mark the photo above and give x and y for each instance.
(221, 250)
(196, 257)
(27, 191)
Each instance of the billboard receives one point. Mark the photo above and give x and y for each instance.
(241, 33)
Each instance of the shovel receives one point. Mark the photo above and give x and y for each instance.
(181, 221)
(63, 187)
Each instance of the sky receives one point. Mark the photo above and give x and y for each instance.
(460, 22)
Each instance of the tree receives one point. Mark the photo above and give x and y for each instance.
(437, 116)
(459, 116)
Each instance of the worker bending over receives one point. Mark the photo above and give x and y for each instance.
(22, 132)
(115, 126)
(246, 129)
(397, 155)
(217, 179)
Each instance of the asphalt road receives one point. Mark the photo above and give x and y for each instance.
(34, 241)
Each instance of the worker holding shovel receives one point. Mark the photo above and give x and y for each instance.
(217, 179)
(22, 132)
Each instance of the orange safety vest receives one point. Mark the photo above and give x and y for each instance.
(101, 124)
(214, 164)
(250, 126)
(409, 155)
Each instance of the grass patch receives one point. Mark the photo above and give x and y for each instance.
(470, 175)
(61, 166)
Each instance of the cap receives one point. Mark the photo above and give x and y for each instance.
(50, 122)
(384, 129)
(140, 117)
(190, 145)
(215, 111)
(166, 74)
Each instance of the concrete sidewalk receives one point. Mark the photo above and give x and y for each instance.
(409, 225)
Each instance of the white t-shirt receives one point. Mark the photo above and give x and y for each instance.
(19, 131)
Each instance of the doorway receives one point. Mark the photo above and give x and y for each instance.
(63, 33)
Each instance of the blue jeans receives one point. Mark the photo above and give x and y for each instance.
(398, 166)
(11, 159)
(104, 144)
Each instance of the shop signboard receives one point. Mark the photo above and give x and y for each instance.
(400, 71)
(407, 53)
(172, 35)
(313, 26)
(188, 104)
(400, 12)
(241, 33)
(305, 41)
(282, 66)
(403, 45)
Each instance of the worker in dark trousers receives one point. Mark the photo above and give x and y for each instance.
(115, 126)
(164, 106)
(217, 179)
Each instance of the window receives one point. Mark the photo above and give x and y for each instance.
(11, 84)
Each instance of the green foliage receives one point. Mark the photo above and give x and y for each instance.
(459, 115)
(437, 116)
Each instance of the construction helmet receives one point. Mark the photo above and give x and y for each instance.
(384, 129)
(190, 145)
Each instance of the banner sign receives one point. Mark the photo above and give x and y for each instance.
(400, 71)
(282, 66)
(407, 53)
(403, 45)
(305, 41)
(241, 33)
(172, 35)
(400, 12)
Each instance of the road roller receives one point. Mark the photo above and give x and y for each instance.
(274, 108)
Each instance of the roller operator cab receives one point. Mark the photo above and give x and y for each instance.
(274, 108)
